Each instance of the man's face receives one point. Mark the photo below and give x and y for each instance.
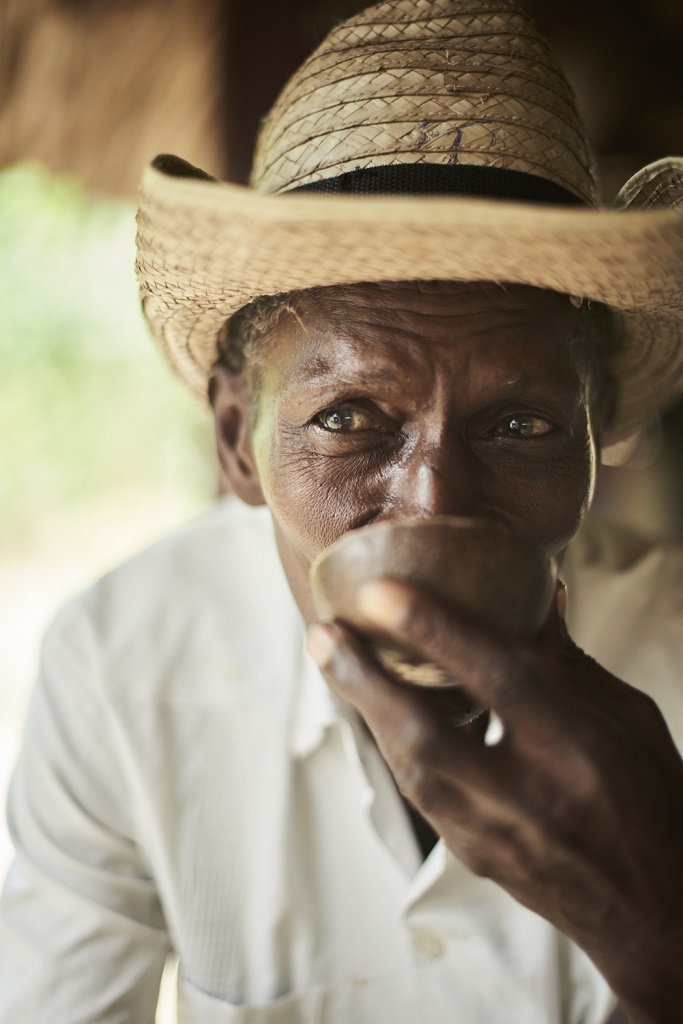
(422, 400)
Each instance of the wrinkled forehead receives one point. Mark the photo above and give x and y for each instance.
(370, 319)
(410, 326)
(402, 333)
(443, 303)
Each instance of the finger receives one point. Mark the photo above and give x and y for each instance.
(561, 599)
(415, 739)
(449, 773)
(495, 672)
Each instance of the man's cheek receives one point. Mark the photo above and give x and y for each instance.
(314, 504)
(561, 499)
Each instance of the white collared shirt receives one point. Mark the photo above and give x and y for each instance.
(187, 783)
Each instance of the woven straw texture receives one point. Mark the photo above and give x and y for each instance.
(427, 82)
(205, 248)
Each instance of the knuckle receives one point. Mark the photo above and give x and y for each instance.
(416, 742)
(566, 809)
(508, 857)
(581, 780)
(522, 858)
(506, 675)
(420, 622)
(418, 784)
(411, 750)
(478, 859)
(343, 666)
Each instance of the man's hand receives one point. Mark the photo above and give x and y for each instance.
(577, 811)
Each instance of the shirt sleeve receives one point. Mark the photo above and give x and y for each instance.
(82, 933)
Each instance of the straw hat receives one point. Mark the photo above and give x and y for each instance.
(456, 110)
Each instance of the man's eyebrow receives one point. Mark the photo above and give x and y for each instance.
(541, 378)
(526, 379)
(319, 371)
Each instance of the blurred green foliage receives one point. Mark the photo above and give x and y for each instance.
(88, 410)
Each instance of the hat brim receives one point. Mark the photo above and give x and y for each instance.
(207, 248)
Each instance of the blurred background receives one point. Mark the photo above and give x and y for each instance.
(101, 450)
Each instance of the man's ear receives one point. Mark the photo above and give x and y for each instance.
(603, 408)
(231, 400)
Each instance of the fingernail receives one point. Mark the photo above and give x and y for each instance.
(320, 644)
(383, 602)
(495, 730)
(561, 600)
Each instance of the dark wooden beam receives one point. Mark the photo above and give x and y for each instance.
(264, 42)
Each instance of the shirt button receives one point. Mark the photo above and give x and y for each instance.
(429, 944)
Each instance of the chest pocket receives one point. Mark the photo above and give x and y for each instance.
(196, 1007)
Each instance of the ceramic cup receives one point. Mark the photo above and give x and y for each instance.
(505, 583)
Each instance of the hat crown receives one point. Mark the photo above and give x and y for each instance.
(446, 82)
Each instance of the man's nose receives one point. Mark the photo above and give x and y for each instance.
(438, 481)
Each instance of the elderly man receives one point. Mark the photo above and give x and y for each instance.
(416, 311)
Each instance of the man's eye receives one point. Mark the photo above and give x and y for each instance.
(523, 425)
(342, 419)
